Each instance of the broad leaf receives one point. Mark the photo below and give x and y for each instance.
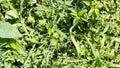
(8, 31)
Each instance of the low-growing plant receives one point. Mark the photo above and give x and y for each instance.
(59, 33)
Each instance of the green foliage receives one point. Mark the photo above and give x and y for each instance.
(8, 31)
(59, 33)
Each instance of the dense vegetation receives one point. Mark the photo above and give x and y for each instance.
(59, 33)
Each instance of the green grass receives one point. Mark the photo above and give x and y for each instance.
(59, 34)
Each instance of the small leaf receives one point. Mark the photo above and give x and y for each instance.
(56, 35)
(32, 1)
(87, 3)
(60, 1)
(81, 12)
(33, 40)
(76, 19)
(16, 47)
(53, 42)
(106, 8)
(106, 28)
(117, 39)
(31, 19)
(97, 12)
(50, 30)
(103, 41)
(68, 2)
(8, 31)
(11, 14)
(84, 19)
(62, 34)
(40, 8)
(74, 12)
(92, 47)
(70, 66)
(118, 57)
(42, 22)
(91, 11)
(76, 45)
